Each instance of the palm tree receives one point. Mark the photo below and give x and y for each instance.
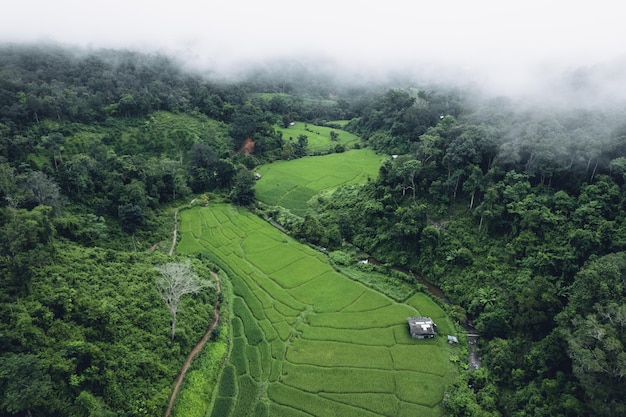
(487, 297)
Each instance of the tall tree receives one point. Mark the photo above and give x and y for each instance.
(11, 194)
(54, 144)
(300, 147)
(243, 189)
(131, 216)
(178, 279)
(44, 190)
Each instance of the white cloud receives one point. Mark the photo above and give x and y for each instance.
(508, 43)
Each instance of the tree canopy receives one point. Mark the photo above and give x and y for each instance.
(516, 212)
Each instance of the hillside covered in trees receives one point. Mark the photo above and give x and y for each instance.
(516, 211)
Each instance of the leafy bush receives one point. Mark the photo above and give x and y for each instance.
(341, 258)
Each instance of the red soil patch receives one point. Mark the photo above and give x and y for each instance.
(247, 147)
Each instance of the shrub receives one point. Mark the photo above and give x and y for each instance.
(341, 257)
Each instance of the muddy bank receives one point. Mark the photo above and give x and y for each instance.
(432, 288)
(473, 358)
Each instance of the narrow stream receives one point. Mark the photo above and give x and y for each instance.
(432, 288)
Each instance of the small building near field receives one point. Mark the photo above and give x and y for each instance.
(422, 327)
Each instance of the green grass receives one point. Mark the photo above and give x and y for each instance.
(307, 401)
(347, 354)
(373, 337)
(227, 387)
(368, 301)
(198, 125)
(248, 396)
(167, 132)
(309, 341)
(381, 404)
(222, 407)
(429, 308)
(318, 137)
(159, 134)
(291, 184)
(391, 286)
(195, 398)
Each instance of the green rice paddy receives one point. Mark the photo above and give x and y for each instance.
(291, 184)
(306, 340)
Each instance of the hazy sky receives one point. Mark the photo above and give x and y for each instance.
(505, 42)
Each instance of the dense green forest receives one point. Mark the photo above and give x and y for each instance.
(516, 211)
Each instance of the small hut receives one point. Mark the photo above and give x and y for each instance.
(422, 327)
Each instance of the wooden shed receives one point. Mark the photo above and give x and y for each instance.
(422, 327)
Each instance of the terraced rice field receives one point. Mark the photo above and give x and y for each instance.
(291, 184)
(307, 341)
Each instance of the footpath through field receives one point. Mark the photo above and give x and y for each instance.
(205, 338)
(196, 349)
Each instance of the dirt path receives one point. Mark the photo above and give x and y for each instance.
(171, 252)
(196, 349)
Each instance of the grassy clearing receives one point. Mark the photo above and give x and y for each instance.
(319, 137)
(291, 184)
(171, 134)
(308, 341)
(200, 126)
(391, 286)
(195, 398)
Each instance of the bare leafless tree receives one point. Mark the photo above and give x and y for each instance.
(178, 279)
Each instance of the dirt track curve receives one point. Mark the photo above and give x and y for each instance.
(205, 338)
(196, 349)
(171, 252)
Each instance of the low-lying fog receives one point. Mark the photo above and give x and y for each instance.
(572, 51)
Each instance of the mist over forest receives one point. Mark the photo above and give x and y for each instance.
(508, 195)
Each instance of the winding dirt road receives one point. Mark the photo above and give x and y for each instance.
(171, 252)
(196, 349)
(205, 338)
